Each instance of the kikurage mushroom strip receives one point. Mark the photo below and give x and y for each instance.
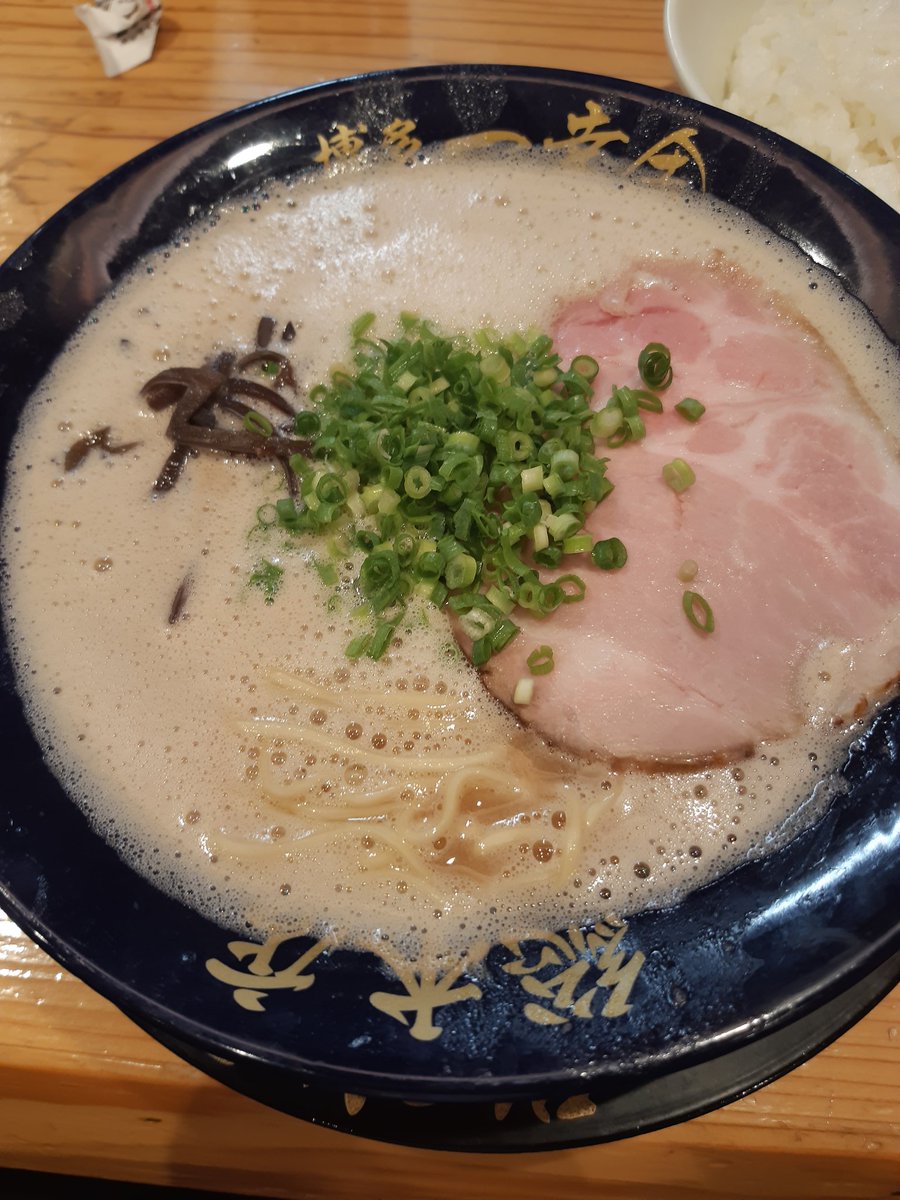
(194, 393)
(98, 438)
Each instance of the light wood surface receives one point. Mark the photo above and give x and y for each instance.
(82, 1090)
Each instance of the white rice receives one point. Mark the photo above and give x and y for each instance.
(827, 75)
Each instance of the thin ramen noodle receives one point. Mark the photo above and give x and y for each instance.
(234, 754)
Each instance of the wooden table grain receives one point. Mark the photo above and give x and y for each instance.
(82, 1090)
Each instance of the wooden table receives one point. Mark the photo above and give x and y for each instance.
(82, 1090)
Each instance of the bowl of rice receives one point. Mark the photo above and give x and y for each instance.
(824, 75)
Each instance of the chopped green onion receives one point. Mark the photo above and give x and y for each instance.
(554, 485)
(330, 488)
(379, 579)
(532, 479)
(482, 651)
(466, 464)
(267, 576)
(407, 381)
(585, 366)
(430, 564)
(606, 422)
(266, 516)
(406, 546)
(326, 571)
(495, 367)
(462, 440)
(690, 409)
(361, 325)
(524, 691)
(255, 422)
(287, 515)
(417, 482)
(388, 501)
(646, 400)
(578, 545)
(698, 612)
(359, 645)
(563, 526)
(636, 428)
(529, 595)
(546, 377)
(299, 465)
(381, 639)
(477, 623)
(503, 634)
(540, 661)
(655, 366)
(678, 475)
(609, 554)
(461, 571)
(306, 424)
(501, 599)
(551, 597)
(565, 463)
(573, 588)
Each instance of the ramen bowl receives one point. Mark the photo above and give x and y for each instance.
(668, 1012)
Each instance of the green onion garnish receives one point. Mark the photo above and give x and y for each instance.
(359, 645)
(267, 576)
(698, 612)
(573, 588)
(481, 650)
(266, 516)
(461, 571)
(255, 422)
(540, 661)
(585, 366)
(655, 366)
(609, 554)
(578, 545)
(306, 424)
(678, 475)
(503, 634)
(690, 409)
(458, 468)
(361, 325)
(326, 572)
(380, 639)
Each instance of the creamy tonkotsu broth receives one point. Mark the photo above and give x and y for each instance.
(226, 753)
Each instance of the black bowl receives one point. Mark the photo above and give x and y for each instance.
(769, 945)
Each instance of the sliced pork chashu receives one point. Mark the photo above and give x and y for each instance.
(794, 522)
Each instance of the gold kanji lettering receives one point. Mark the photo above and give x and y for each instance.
(569, 971)
(398, 136)
(424, 994)
(344, 143)
(260, 976)
(671, 160)
(587, 132)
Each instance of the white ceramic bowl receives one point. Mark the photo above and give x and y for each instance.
(701, 36)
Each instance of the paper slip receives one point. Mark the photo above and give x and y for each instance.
(124, 31)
